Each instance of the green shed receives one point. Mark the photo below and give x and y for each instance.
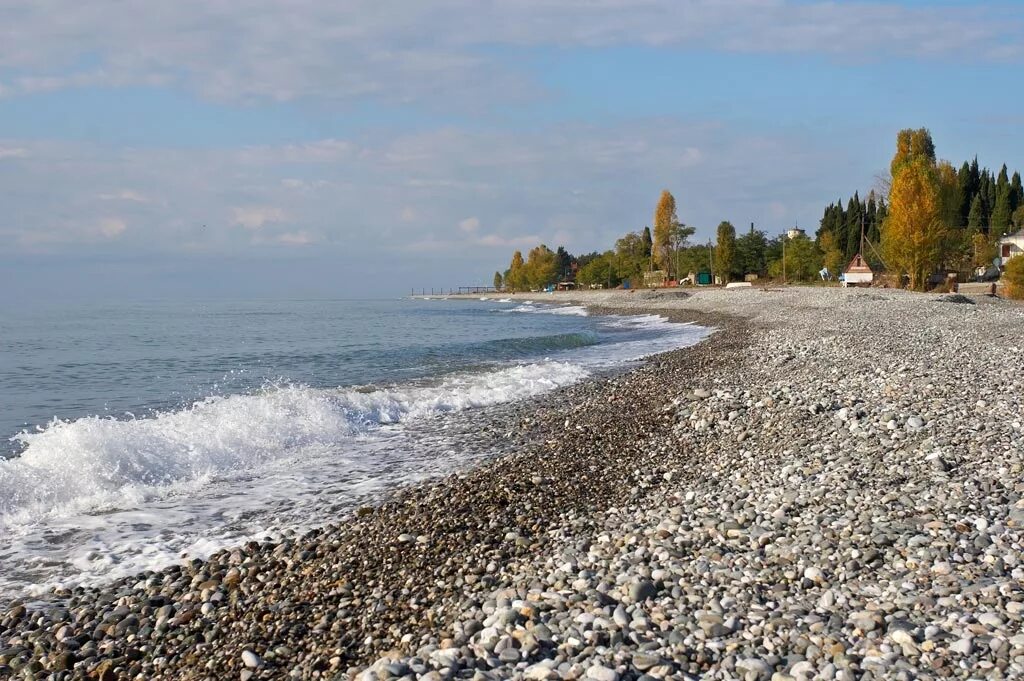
(704, 278)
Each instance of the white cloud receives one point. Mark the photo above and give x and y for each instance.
(509, 189)
(112, 227)
(401, 52)
(254, 217)
(124, 195)
(13, 152)
(300, 238)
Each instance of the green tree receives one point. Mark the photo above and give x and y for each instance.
(802, 260)
(693, 259)
(751, 251)
(630, 261)
(1001, 213)
(648, 243)
(678, 237)
(976, 216)
(565, 261)
(1018, 217)
(664, 221)
(497, 281)
(600, 270)
(725, 251)
(541, 267)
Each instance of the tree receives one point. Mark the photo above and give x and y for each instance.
(541, 267)
(1018, 217)
(912, 146)
(648, 243)
(976, 216)
(801, 261)
(599, 270)
(565, 261)
(1013, 275)
(914, 234)
(630, 261)
(750, 253)
(1001, 213)
(515, 278)
(725, 251)
(678, 237)
(664, 220)
(832, 256)
(497, 281)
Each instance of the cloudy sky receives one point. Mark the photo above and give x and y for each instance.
(356, 147)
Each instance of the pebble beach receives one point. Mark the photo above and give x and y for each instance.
(831, 486)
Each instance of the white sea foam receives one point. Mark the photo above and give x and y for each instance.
(88, 463)
(94, 499)
(575, 310)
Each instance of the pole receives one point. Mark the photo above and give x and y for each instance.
(785, 238)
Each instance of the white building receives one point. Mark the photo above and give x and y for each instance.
(795, 232)
(1010, 246)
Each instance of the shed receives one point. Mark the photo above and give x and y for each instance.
(704, 278)
(857, 272)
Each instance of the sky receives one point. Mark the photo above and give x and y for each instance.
(356, 148)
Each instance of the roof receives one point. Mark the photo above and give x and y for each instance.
(858, 264)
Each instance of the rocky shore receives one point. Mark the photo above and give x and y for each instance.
(830, 487)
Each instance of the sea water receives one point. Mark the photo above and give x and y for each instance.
(134, 435)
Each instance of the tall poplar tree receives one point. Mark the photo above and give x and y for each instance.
(914, 235)
(725, 251)
(664, 221)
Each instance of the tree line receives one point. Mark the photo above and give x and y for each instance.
(933, 218)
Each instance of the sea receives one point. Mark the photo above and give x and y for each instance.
(133, 435)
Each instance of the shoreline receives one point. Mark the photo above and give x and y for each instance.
(535, 426)
(830, 486)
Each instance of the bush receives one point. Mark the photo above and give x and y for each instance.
(1013, 277)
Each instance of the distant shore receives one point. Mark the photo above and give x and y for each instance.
(829, 485)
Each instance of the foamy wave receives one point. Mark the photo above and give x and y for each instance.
(89, 463)
(574, 310)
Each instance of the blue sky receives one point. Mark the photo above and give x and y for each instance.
(261, 148)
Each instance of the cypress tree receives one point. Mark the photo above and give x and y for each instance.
(648, 242)
(967, 191)
(1000, 220)
(853, 222)
(976, 220)
(1016, 191)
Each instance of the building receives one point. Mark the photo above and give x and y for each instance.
(857, 272)
(795, 232)
(1010, 246)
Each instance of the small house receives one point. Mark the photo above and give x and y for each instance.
(857, 272)
(1010, 246)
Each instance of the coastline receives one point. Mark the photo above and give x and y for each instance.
(751, 506)
(525, 434)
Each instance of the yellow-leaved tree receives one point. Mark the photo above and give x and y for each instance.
(664, 221)
(515, 278)
(832, 255)
(914, 236)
